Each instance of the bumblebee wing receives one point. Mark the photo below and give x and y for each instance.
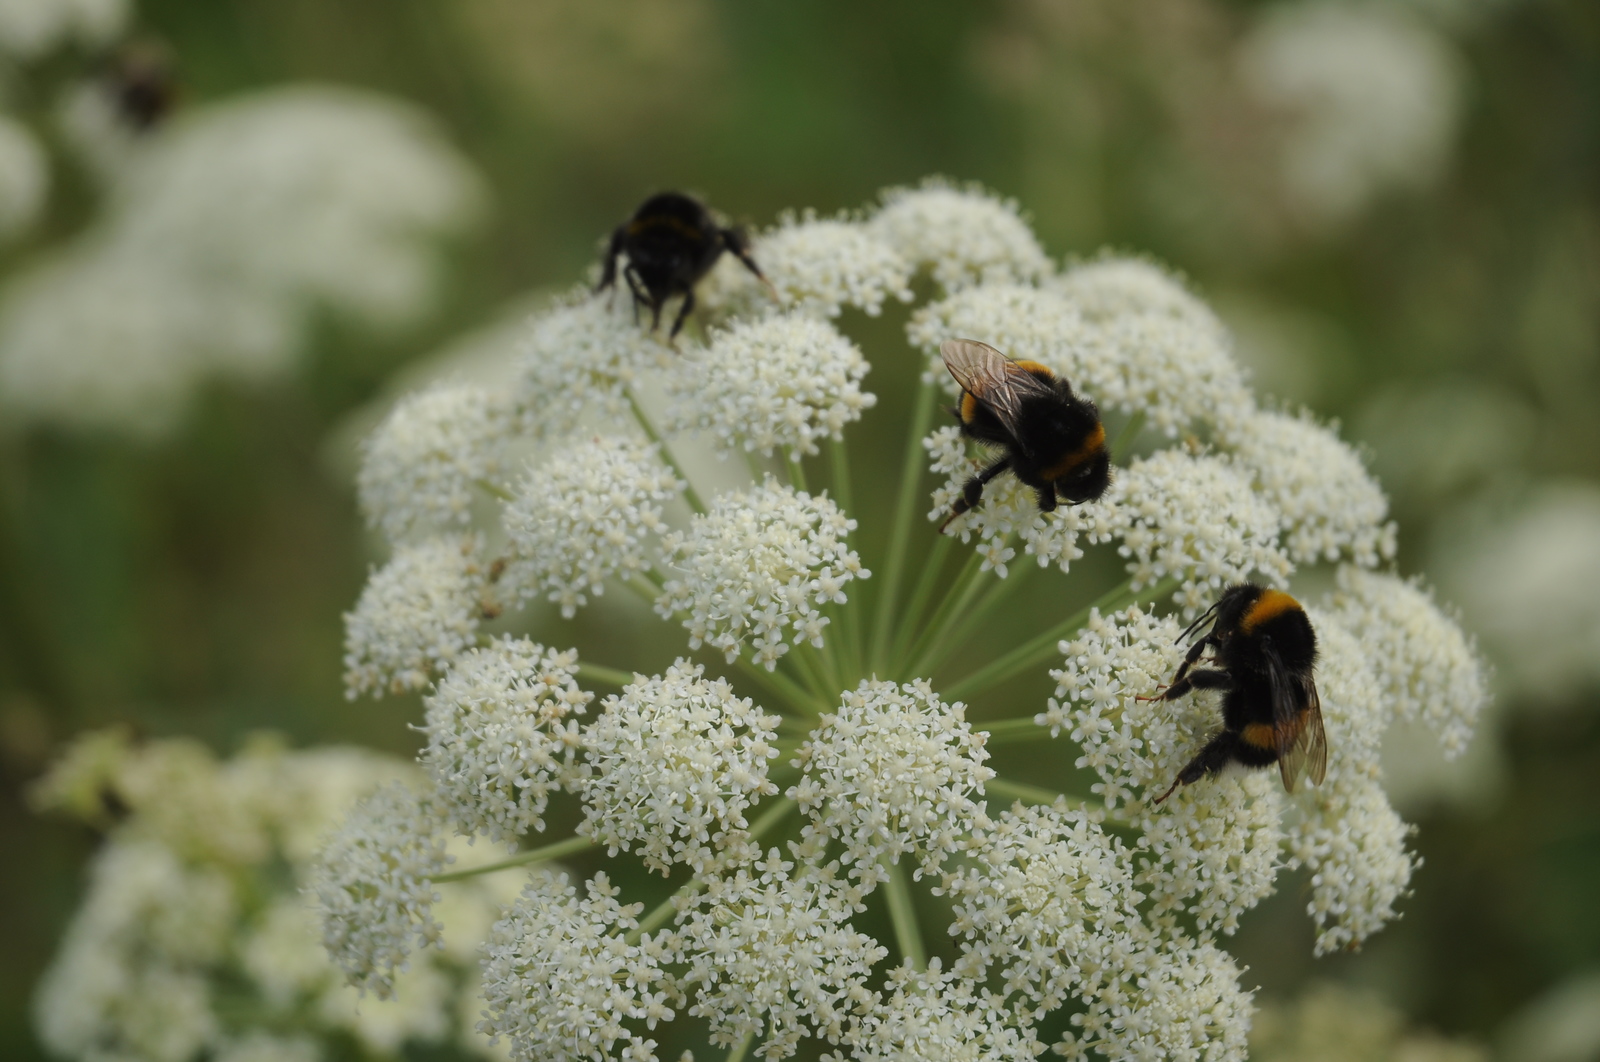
(992, 378)
(1296, 723)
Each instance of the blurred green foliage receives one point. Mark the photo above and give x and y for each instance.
(196, 585)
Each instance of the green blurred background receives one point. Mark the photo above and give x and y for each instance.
(195, 584)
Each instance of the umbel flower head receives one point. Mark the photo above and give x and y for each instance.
(193, 941)
(833, 752)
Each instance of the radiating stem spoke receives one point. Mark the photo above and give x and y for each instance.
(690, 494)
(905, 508)
(609, 676)
(903, 914)
(570, 846)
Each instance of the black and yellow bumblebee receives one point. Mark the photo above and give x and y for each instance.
(141, 80)
(1052, 440)
(671, 243)
(1264, 652)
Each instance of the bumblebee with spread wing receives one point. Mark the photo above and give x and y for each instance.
(1052, 440)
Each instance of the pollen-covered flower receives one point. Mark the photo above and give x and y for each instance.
(820, 265)
(588, 512)
(771, 952)
(894, 770)
(417, 614)
(778, 382)
(1331, 506)
(500, 736)
(423, 467)
(671, 767)
(560, 976)
(963, 235)
(374, 889)
(753, 573)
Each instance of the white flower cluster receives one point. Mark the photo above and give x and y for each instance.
(30, 28)
(770, 951)
(893, 771)
(423, 467)
(375, 889)
(1195, 519)
(560, 977)
(753, 571)
(417, 614)
(588, 512)
(1331, 506)
(821, 265)
(963, 235)
(672, 765)
(499, 735)
(1056, 923)
(226, 235)
(191, 943)
(24, 178)
(782, 381)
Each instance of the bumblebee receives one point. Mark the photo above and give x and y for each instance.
(142, 83)
(671, 242)
(1053, 440)
(1263, 654)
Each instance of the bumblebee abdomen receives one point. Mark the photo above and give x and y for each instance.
(1092, 444)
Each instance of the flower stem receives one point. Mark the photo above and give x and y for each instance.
(1127, 436)
(792, 464)
(1032, 794)
(958, 617)
(903, 913)
(932, 569)
(847, 617)
(780, 810)
(742, 1048)
(690, 494)
(570, 846)
(1038, 649)
(609, 676)
(910, 481)
(494, 490)
(959, 591)
(1005, 731)
(781, 686)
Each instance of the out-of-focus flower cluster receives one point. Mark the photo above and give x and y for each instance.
(1102, 904)
(194, 941)
(223, 233)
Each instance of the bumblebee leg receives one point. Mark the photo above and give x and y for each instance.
(1047, 499)
(1191, 658)
(972, 493)
(1212, 757)
(683, 314)
(636, 287)
(608, 272)
(1204, 679)
(736, 241)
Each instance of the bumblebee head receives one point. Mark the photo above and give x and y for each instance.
(1088, 481)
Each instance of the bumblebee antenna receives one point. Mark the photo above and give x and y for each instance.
(1199, 620)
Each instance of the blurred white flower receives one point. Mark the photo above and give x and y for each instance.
(1530, 582)
(29, 28)
(962, 235)
(782, 381)
(821, 265)
(752, 573)
(1329, 1022)
(187, 948)
(224, 236)
(24, 177)
(1369, 94)
(1561, 1025)
(423, 467)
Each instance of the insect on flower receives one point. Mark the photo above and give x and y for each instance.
(1264, 650)
(1053, 440)
(671, 242)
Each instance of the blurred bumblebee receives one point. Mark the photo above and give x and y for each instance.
(1053, 440)
(142, 82)
(671, 243)
(1263, 653)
